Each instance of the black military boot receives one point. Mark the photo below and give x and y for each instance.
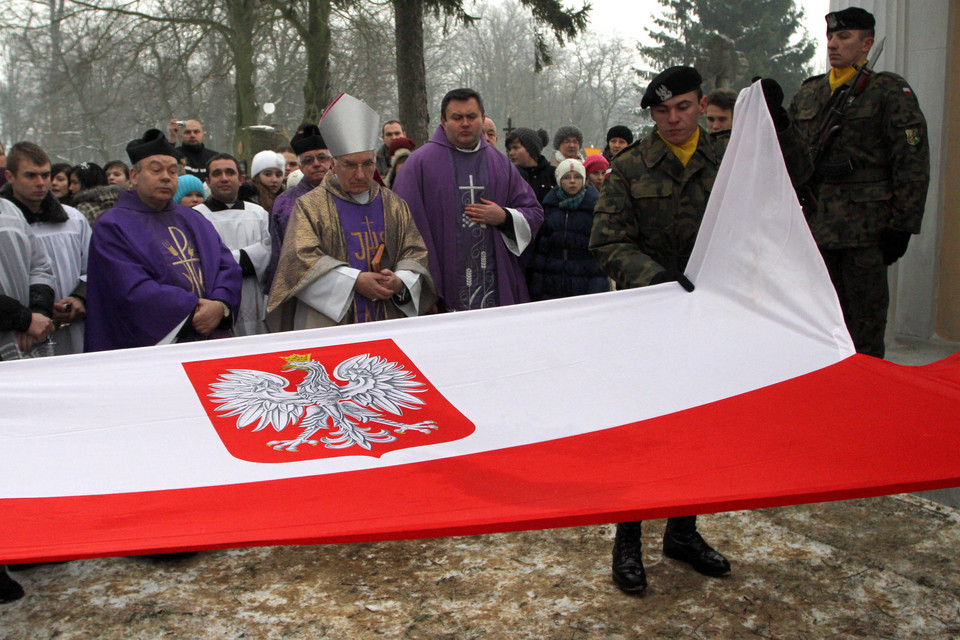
(628, 573)
(10, 589)
(682, 541)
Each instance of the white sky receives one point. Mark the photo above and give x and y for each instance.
(627, 18)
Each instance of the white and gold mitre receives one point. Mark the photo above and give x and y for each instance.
(350, 126)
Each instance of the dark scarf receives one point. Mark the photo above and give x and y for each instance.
(50, 208)
(571, 203)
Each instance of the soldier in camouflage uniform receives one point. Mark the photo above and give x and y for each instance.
(644, 229)
(870, 186)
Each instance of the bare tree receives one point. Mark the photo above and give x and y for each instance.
(310, 19)
(82, 77)
(603, 68)
(238, 24)
(411, 69)
(590, 84)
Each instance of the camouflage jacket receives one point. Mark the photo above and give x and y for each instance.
(651, 206)
(883, 145)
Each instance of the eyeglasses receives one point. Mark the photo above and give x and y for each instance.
(321, 158)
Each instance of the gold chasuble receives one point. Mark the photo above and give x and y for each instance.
(315, 244)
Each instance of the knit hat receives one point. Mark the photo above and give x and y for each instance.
(399, 155)
(400, 143)
(187, 184)
(565, 132)
(595, 162)
(267, 160)
(294, 178)
(569, 165)
(620, 131)
(529, 139)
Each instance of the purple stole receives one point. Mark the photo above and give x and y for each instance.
(364, 231)
(476, 260)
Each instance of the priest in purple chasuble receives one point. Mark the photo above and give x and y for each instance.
(157, 272)
(476, 212)
(328, 273)
(315, 161)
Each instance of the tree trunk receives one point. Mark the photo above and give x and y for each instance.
(316, 89)
(411, 72)
(243, 18)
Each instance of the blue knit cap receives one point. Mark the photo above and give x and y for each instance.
(185, 185)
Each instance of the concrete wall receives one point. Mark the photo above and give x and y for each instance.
(918, 45)
(948, 302)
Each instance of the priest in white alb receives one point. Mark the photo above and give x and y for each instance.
(244, 228)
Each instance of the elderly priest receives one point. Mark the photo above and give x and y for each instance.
(352, 252)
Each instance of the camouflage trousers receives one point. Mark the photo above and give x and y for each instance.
(860, 279)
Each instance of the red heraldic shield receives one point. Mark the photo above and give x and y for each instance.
(366, 398)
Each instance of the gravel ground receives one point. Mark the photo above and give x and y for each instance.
(879, 568)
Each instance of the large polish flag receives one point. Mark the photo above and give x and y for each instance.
(638, 404)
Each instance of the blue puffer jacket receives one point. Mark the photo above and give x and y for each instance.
(561, 264)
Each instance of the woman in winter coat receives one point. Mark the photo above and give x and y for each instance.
(90, 192)
(561, 264)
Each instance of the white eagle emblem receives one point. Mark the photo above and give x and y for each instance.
(663, 93)
(374, 385)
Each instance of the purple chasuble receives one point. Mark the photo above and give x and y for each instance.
(431, 182)
(146, 271)
(364, 231)
(279, 217)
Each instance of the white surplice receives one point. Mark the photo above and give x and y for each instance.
(246, 228)
(67, 244)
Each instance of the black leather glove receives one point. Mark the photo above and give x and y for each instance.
(773, 95)
(893, 244)
(672, 275)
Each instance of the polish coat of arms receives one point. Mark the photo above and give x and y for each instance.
(342, 402)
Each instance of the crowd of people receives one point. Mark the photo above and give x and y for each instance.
(356, 222)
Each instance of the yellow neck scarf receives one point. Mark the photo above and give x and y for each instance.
(684, 151)
(839, 76)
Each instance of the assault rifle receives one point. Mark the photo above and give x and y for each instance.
(831, 126)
